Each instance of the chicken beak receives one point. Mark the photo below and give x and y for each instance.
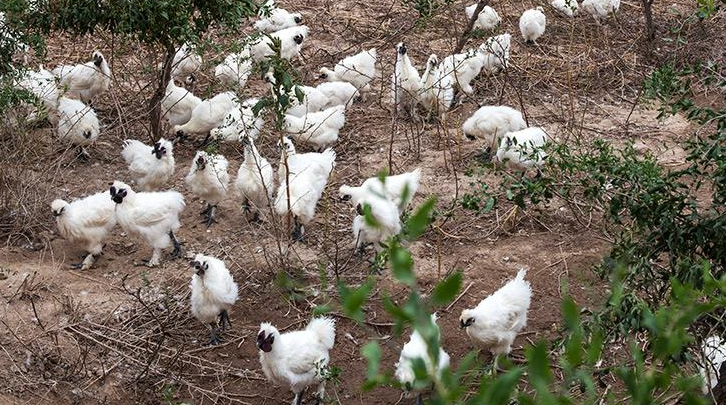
(462, 325)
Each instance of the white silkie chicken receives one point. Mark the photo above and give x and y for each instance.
(523, 150)
(208, 180)
(186, 62)
(178, 104)
(153, 216)
(240, 123)
(494, 323)
(405, 82)
(86, 222)
(600, 9)
(488, 18)
(338, 93)
(713, 351)
(532, 24)
(567, 8)
(496, 52)
(277, 20)
(291, 43)
(437, 89)
(400, 189)
(235, 70)
(86, 81)
(308, 176)
(387, 220)
(462, 68)
(313, 99)
(77, 124)
(319, 129)
(208, 115)
(43, 85)
(213, 294)
(255, 180)
(417, 348)
(491, 123)
(358, 70)
(295, 360)
(150, 166)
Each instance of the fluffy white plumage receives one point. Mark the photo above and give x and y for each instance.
(600, 9)
(277, 20)
(491, 123)
(405, 82)
(495, 322)
(86, 222)
(387, 218)
(208, 180)
(488, 18)
(213, 292)
(532, 24)
(394, 189)
(153, 216)
(185, 63)
(178, 104)
(235, 70)
(496, 51)
(240, 123)
(255, 179)
(568, 8)
(85, 81)
(338, 93)
(291, 42)
(416, 348)
(522, 150)
(308, 176)
(462, 68)
(77, 123)
(294, 360)
(208, 114)
(437, 88)
(713, 351)
(319, 129)
(43, 85)
(150, 166)
(358, 70)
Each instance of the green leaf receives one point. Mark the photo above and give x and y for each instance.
(402, 265)
(299, 94)
(420, 220)
(372, 353)
(446, 291)
(368, 216)
(353, 299)
(322, 309)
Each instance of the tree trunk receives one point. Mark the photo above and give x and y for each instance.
(155, 103)
(648, 10)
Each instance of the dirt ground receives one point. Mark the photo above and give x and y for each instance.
(121, 334)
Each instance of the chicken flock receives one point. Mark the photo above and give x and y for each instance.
(297, 359)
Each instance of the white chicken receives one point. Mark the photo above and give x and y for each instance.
(462, 68)
(208, 180)
(277, 20)
(208, 115)
(405, 82)
(713, 351)
(496, 52)
(85, 81)
(291, 43)
(532, 24)
(600, 9)
(255, 180)
(178, 104)
(43, 85)
(240, 123)
(437, 89)
(87, 222)
(400, 189)
(338, 93)
(150, 166)
(77, 124)
(295, 360)
(387, 220)
(358, 70)
(235, 70)
(186, 62)
(213, 294)
(313, 99)
(491, 123)
(417, 348)
(307, 178)
(319, 129)
(488, 18)
(523, 150)
(567, 8)
(494, 323)
(153, 216)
